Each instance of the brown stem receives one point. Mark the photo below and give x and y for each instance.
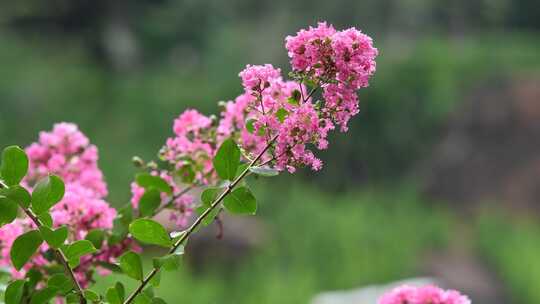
(175, 197)
(60, 255)
(199, 220)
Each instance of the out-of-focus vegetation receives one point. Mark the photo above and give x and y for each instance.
(318, 242)
(511, 246)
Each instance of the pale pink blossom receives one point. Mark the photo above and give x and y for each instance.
(423, 295)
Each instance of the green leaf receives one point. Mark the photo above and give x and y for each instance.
(126, 214)
(55, 238)
(296, 95)
(295, 98)
(227, 160)
(46, 219)
(43, 296)
(47, 193)
(61, 283)
(112, 296)
(17, 194)
(14, 292)
(34, 277)
(211, 217)
(110, 266)
(24, 248)
(264, 171)
(96, 236)
(209, 195)
(241, 168)
(158, 301)
(75, 251)
(148, 181)
(14, 165)
(169, 262)
(250, 127)
(8, 211)
(149, 202)
(281, 114)
(240, 201)
(73, 298)
(142, 299)
(149, 291)
(262, 131)
(131, 264)
(91, 295)
(121, 290)
(150, 232)
(121, 224)
(156, 279)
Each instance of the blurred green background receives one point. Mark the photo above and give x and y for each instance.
(438, 175)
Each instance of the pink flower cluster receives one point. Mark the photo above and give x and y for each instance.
(82, 211)
(339, 61)
(423, 295)
(192, 148)
(66, 152)
(272, 107)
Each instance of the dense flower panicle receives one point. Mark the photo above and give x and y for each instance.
(259, 77)
(181, 208)
(341, 62)
(81, 212)
(423, 295)
(301, 127)
(354, 57)
(270, 112)
(192, 148)
(66, 152)
(191, 121)
(310, 49)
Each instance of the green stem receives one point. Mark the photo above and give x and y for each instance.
(199, 220)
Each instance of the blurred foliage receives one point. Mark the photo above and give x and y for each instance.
(511, 246)
(360, 238)
(416, 86)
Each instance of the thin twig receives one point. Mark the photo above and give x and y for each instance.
(175, 197)
(198, 221)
